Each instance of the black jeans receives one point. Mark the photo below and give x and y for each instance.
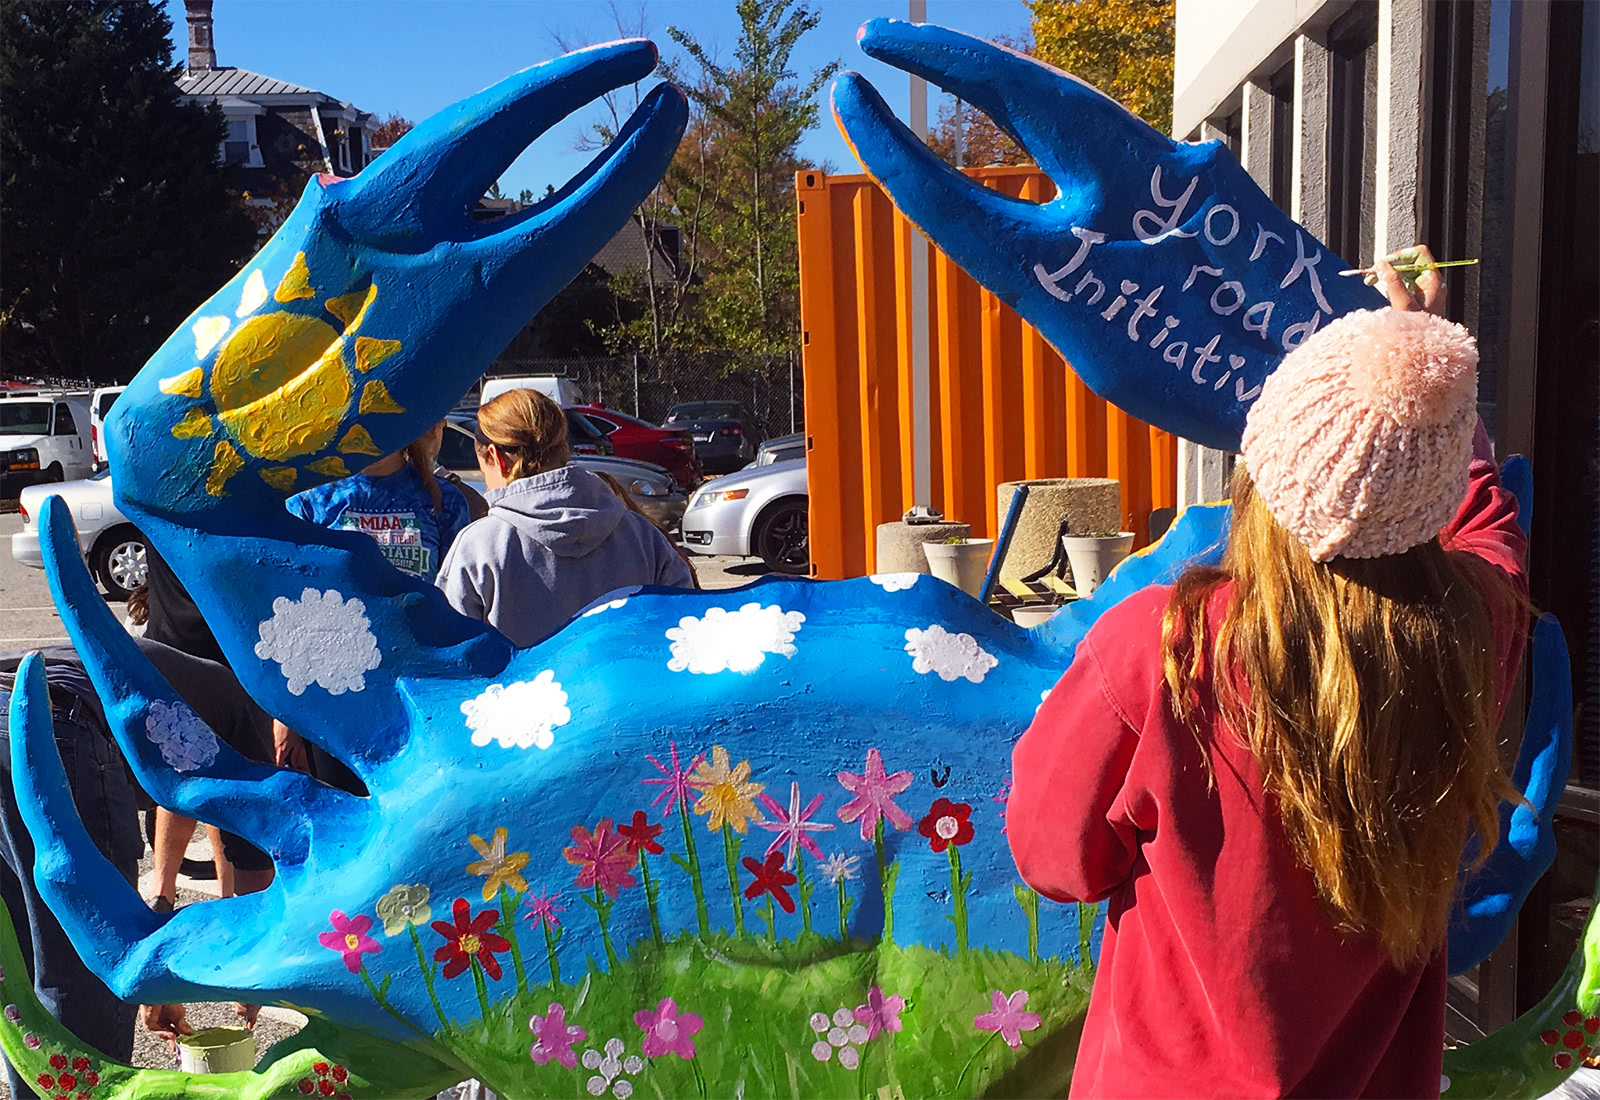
(104, 793)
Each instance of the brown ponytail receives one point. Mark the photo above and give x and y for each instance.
(420, 457)
(527, 426)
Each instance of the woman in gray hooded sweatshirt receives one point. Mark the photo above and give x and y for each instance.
(556, 537)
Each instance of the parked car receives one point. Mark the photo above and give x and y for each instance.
(762, 512)
(672, 448)
(563, 391)
(781, 449)
(653, 488)
(113, 547)
(57, 426)
(725, 438)
(99, 407)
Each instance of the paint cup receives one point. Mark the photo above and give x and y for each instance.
(1033, 615)
(217, 1050)
(963, 564)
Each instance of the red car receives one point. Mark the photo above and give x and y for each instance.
(633, 438)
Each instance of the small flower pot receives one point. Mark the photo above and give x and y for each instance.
(1092, 557)
(217, 1050)
(1033, 615)
(963, 564)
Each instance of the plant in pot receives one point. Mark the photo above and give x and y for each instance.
(1093, 556)
(961, 561)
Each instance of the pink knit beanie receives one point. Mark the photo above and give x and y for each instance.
(1359, 442)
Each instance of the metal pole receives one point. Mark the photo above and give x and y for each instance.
(791, 392)
(922, 510)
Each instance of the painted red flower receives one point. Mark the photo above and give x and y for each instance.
(59, 1061)
(770, 878)
(947, 823)
(46, 1081)
(641, 835)
(603, 857)
(67, 1082)
(469, 940)
(80, 1063)
(306, 1085)
(1563, 1060)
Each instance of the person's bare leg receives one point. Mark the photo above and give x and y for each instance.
(225, 872)
(173, 833)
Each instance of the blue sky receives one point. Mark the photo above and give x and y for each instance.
(413, 57)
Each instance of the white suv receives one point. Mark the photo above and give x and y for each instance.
(99, 405)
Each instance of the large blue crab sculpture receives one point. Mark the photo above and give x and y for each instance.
(697, 843)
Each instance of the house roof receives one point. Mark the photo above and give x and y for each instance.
(238, 82)
(232, 83)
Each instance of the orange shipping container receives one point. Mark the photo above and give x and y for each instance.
(1004, 405)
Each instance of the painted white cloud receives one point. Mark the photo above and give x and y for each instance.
(520, 715)
(321, 639)
(733, 641)
(951, 656)
(186, 743)
(894, 582)
(609, 605)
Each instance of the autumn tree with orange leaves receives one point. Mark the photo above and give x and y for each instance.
(1122, 47)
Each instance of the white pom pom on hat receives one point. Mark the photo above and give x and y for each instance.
(1359, 442)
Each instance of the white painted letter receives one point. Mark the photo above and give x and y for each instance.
(1175, 353)
(1203, 355)
(1051, 280)
(1232, 233)
(1162, 333)
(1298, 333)
(1238, 297)
(1195, 271)
(1262, 234)
(1099, 287)
(1163, 227)
(1110, 311)
(1144, 307)
(1259, 327)
(1309, 266)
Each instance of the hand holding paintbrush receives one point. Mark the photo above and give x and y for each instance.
(1410, 277)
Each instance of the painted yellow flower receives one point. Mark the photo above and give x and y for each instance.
(726, 794)
(497, 867)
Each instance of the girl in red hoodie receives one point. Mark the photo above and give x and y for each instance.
(1270, 769)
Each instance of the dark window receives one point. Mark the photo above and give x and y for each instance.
(64, 423)
(1281, 86)
(1352, 146)
(1230, 127)
(457, 452)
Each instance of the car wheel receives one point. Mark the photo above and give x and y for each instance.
(119, 561)
(782, 537)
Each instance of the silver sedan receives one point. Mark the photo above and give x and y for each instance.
(113, 546)
(761, 511)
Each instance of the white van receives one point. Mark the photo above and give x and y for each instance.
(56, 426)
(563, 391)
(99, 405)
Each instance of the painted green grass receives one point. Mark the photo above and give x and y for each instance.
(757, 998)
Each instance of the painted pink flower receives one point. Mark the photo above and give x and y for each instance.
(674, 783)
(349, 938)
(31, 1041)
(1004, 798)
(13, 1013)
(1007, 1017)
(542, 909)
(554, 1038)
(874, 796)
(880, 1013)
(602, 857)
(793, 826)
(666, 1031)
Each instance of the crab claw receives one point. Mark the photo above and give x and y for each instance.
(423, 188)
(1160, 270)
(379, 301)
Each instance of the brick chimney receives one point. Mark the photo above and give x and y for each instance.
(202, 54)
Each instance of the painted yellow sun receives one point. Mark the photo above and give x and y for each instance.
(280, 387)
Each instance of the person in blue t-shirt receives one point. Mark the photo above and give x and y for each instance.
(397, 500)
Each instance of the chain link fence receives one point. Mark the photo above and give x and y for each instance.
(769, 387)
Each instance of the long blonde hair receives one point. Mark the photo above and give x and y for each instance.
(529, 427)
(1365, 691)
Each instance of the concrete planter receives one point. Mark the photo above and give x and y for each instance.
(1085, 503)
(1093, 557)
(963, 564)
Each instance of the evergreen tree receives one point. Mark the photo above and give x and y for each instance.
(115, 216)
(754, 113)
